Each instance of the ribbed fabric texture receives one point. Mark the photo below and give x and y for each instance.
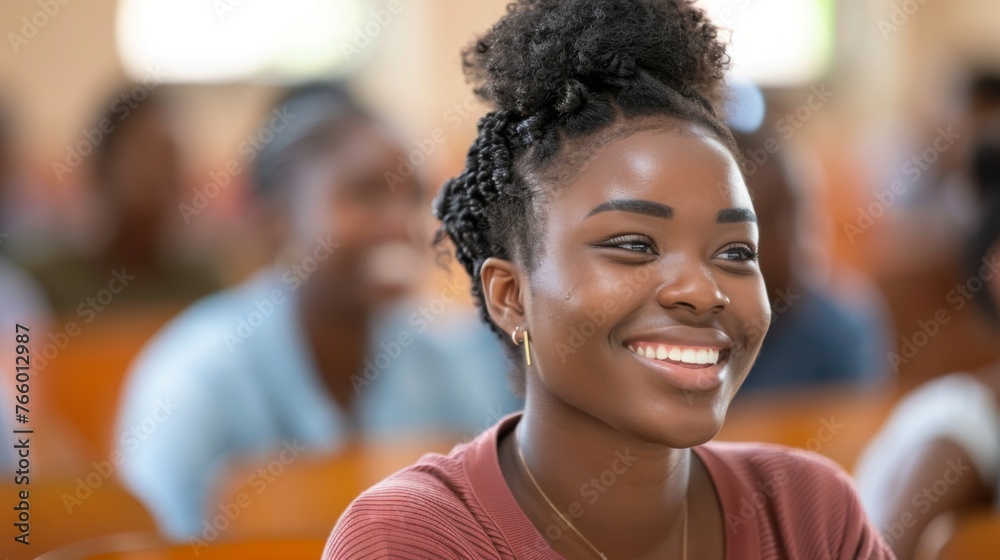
(777, 503)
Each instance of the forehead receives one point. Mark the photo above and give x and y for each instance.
(683, 166)
(364, 144)
(357, 149)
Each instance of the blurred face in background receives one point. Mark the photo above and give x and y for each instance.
(777, 209)
(364, 234)
(140, 176)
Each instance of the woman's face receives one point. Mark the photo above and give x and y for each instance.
(346, 198)
(647, 308)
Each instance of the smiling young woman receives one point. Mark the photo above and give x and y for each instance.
(611, 239)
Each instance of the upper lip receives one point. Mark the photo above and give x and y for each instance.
(680, 335)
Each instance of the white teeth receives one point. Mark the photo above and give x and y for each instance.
(702, 357)
(697, 356)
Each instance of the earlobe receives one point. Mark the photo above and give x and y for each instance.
(502, 284)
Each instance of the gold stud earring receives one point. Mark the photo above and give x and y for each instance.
(527, 343)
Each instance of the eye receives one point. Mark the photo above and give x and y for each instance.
(738, 252)
(632, 242)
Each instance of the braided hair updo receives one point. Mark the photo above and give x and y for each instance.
(558, 72)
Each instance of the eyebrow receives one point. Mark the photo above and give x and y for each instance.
(732, 215)
(636, 206)
(650, 208)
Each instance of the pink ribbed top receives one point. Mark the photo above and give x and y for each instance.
(776, 502)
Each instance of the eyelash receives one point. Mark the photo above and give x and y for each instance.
(747, 253)
(631, 239)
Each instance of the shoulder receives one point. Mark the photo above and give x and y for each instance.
(189, 357)
(427, 488)
(211, 332)
(958, 407)
(780, 471)
(22, 289)
(419, 512)
(781, 489)
(826, 314)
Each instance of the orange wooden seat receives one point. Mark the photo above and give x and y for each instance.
(976, 536)
(69, 511)
(148, 547)
(82, 377)
(305, 497)
(836, 424)
(265, 550)
(263, 498)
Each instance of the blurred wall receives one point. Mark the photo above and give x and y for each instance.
(59, 77)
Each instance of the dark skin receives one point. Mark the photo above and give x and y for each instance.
(700, 287)
(341, 195)
(142, 184)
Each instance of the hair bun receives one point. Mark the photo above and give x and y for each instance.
(559, 55)
(573, 97)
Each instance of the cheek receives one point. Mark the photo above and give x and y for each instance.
(331, 216)
(750, 307)
(573, 306)
(348, 223)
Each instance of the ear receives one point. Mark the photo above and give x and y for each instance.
(503, 282)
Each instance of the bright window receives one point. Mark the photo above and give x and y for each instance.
(226, 40)
(777, 42)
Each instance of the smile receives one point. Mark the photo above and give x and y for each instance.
(687, 355)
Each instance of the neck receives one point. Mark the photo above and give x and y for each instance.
(624, 495)
(339, 344)
(135, 246)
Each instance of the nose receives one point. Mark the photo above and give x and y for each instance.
(691, 286)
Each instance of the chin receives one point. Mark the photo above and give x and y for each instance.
(681, 422)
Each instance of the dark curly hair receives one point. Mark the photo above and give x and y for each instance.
(564, 77)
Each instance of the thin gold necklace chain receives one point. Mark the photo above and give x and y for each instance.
(524, 463)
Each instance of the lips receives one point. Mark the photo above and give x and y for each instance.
(691, 359)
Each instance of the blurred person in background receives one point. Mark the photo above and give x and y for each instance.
(822, 335)
(946, 431)
(947, 186)
(134, 180)
(324, 344)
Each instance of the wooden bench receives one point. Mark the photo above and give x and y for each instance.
(974, 536)
(63, 512)
(143, 546)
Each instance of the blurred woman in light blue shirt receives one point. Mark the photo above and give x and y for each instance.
(326, 344)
